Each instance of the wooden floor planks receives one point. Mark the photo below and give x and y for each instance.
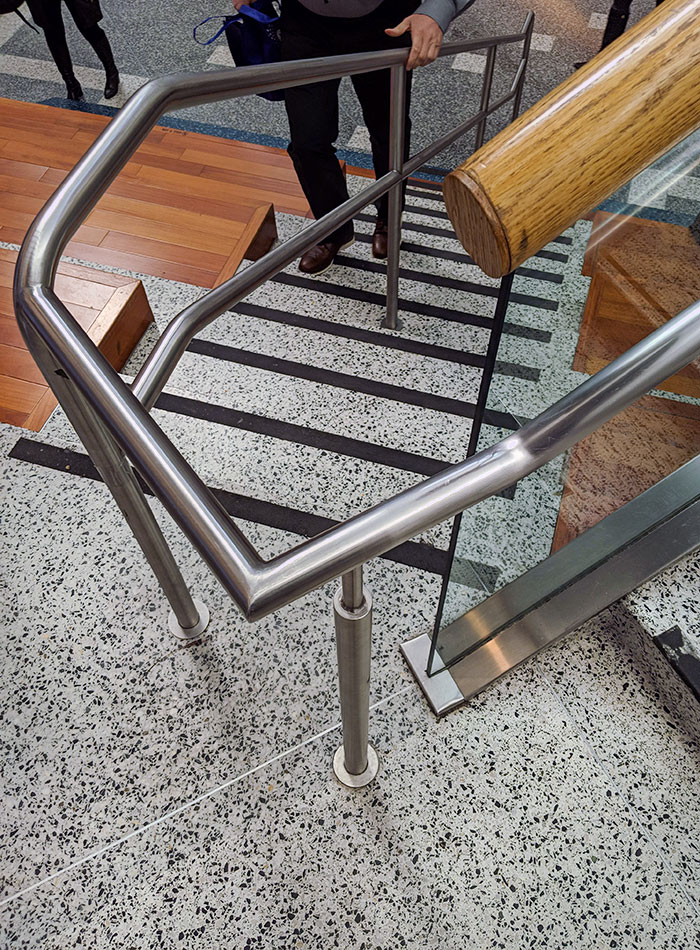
(187, 207)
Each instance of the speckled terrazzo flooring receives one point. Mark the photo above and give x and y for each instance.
(157, 796)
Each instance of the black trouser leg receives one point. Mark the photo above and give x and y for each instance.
(55, 35)
(373, 91)
(313, 126)
(617, 21)
(94, 34)
(97, 38)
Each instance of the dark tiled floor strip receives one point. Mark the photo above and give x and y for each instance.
(386, 340)
(412, 553)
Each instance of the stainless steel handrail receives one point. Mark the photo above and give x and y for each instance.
(109, 416)
(257, 588)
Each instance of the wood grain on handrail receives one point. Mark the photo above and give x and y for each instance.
(581, 142)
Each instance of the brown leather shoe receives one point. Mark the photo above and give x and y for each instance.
(317, 260)
(380, 240)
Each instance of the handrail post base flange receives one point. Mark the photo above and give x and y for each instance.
(355, 781)
(355, 763)
(190, 633)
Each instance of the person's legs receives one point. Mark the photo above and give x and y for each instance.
(49, 17)
(373, 91)
(86, 18)
(313, 126)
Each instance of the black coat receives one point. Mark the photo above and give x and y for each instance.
(86, 13)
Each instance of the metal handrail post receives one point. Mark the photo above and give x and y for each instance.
(485, 97)
(356, 762)
(397, 154)
(189, 618)
(524, 59)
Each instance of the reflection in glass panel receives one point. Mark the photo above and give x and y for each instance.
(585, 299)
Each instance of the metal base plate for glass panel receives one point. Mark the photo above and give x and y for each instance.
(440, 690)
(623, 551)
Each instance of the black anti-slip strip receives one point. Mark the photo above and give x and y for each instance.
(427, 251)
(552, 256)
(426, 185)
(426, 212)
(451, 283)
(289, 432)
(358, 384)
(386, 340)
(411, 226)
(372, 336)
(449, 233)
(562, 239)
(409, 306)
(412, 553)
(302, 435)
(420, 193)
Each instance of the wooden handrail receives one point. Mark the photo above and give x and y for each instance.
(581, 142)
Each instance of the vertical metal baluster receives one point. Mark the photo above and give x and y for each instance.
(485, 96)
(396, 158)
(189, 618)
(355, 763)
(529, 22)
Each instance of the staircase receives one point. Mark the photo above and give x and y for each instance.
(299, 410)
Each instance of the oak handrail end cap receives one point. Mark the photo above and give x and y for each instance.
(476, 222)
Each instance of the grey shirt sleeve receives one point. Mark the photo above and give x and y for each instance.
(443, 11)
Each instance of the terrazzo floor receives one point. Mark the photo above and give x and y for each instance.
(160, 796)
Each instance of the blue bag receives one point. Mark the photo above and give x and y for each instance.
(253, 36)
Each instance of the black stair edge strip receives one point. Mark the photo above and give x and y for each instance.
(449, 283)
(427, 250)
(449, 233)
(423, 183)
(426, 212)
(408, 306)
(304, 435)
(386, 340)
(430, 195)
(362, 335)
(416, 554)
(301, 435)
(552, 256)
(360, 384)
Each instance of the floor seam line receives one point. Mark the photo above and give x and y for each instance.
(137, 832)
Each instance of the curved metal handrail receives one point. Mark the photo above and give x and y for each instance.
(256, 585)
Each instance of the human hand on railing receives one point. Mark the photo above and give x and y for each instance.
(426, 38)
(239, 3)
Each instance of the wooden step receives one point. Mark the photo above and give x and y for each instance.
(112, 309)
(161, 197)
(643, 273)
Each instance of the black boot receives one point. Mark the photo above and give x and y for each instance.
(56, 42)
(112, 82)
(100, 43)
(74, 90)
